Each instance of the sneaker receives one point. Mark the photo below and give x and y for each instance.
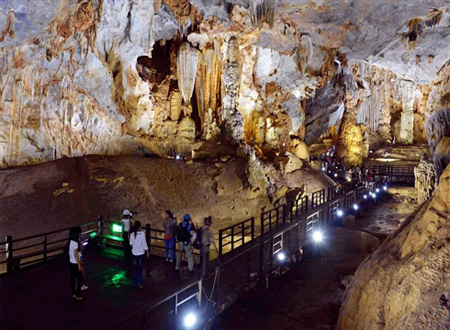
(168, 260)
(140, 286)
(84, 287)
(79, 298)
(171, 260)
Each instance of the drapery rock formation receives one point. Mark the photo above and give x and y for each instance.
(157, 77)
(400, 286)
(425, 179)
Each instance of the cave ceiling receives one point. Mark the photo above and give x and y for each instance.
(136, 77)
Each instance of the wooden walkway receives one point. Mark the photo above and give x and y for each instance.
(39, 297)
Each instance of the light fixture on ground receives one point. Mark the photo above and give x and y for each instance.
(385, 188)
(317, 236)
(323, 169)
(374, 195)
(177, 157)
(365, 196)
(377, 190)
(190, 320)
(340, 213)
(335, 175)
(281, 256)
(355, 206)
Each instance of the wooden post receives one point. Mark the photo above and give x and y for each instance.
(148, 230)
(253, 228)
(262, 223)
(284, 213)
(243, 233)
(220, 243)
(45, 248)
(270, 220)
(9, 254)
(232, 238)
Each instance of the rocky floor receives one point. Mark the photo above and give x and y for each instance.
(309, 297)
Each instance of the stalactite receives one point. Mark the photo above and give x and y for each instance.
(175, 104)
(187, 65)
(305, 52)
(208, 82)
(230, 115)
(407, 117)
(262, 10)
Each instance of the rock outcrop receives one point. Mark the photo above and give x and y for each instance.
(402, 284)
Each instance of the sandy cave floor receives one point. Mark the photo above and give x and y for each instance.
(309, 297)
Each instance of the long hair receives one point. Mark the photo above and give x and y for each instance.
(74, 234)
(136, 227)
(169, 213)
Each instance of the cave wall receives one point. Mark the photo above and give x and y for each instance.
(400, 286)
(157, 77)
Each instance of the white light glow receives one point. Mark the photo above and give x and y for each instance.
(365, 196)
(384, 188)
(335, 175)
(355, 206)
(377, 190)
(340, 213)
(323, 169)
(374, 195)
(281, 256)
(317, 236)
(177, 157)
(190, 320)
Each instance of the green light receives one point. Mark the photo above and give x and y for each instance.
(93, 234)
(116, 228)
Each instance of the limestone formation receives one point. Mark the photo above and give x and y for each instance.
(400, 285)
(425, 179)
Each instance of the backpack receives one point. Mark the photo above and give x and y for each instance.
(184, 232)
(198, 239)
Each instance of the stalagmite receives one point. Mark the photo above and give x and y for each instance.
(407, 118)
(187, 64)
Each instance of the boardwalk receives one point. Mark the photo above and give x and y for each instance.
(39, 297)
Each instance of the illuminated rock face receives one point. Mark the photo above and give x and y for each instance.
(400, 285)
(157, 77)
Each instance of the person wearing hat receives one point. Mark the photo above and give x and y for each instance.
(127, 224)
(184, 231)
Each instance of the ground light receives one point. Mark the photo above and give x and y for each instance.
(377, 190)
(355, 206)
(281, 256)
(317, 236)
(340, 213)
(335, 175)
(374, 195)
(385, 188)
(365, 196)
(116, 228)
(190, 320)
(177, 157)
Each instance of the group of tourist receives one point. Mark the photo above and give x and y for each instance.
(135, 246)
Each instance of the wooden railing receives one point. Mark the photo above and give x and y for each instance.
(34, 249)
(273, 218)
(318, 198)
(236, 235)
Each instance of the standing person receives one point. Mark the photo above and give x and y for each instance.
(207, 239)
(75, 263)
(184, 242)
(80, 254)
(126, 227)
(170, 226)
(139, 249)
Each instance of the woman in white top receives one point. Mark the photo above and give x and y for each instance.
(138, 248)
(75, 263)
